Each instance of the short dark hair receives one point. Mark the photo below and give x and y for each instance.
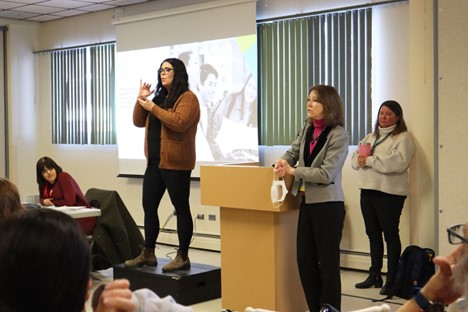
(10, 201)
(205, 70)
(45, 262)
(45, 163)
(395, 107)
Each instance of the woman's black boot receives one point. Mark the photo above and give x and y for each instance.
(373, 280)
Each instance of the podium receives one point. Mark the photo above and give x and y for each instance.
(258, 240)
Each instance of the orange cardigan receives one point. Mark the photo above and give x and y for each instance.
(178, 130)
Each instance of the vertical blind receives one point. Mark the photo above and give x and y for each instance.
(295, 54)
(83, 95)
(103, 94)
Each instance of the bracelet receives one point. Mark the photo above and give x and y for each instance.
(427, 305)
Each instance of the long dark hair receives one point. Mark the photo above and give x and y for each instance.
(45, 264)
(45, 163)
(395, 107)
(166, 99)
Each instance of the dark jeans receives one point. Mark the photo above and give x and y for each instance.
(177, 183)
(381, 213)
(318, 252)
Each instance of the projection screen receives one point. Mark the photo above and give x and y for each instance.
(217, 42)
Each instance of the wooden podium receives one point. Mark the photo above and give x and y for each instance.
(258, 241)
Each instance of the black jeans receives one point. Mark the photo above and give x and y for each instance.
(318, 252)
(381, 213)
(177, 183)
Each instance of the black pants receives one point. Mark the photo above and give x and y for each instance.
(381, 213)
(318, 252)
(177, 183)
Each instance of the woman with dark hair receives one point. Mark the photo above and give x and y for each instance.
(9, 198)
(242, 105)
(170, 119)
(316, 159)
(58, 188)
(46, 264)
(383, 180)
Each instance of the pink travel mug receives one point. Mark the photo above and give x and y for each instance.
(364, 149)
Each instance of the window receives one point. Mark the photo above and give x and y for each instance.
(295, 54)
(83, 83)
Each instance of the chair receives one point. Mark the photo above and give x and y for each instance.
(116, 237)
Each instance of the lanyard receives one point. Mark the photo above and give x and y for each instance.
(48, 193)
(378, 142)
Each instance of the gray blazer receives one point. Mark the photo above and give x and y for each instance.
(323, 178)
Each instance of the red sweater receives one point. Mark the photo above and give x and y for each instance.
(66, 192)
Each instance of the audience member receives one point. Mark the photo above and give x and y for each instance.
(9, 198)
(45, 266)
(58, 188)
(144, 299)
(451, 280)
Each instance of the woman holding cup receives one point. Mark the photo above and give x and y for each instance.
(382, 162)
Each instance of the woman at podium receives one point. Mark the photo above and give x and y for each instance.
(316, 159)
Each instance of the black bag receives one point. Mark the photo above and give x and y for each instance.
(415, 268)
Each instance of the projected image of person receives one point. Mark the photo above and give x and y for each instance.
(171, 120)
(238, 137)
(192, 64)
(242, 105)
(211, 117)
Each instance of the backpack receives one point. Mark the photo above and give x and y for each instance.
(415, 268)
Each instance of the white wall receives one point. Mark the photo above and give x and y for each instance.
(96, 166)
(452, 116)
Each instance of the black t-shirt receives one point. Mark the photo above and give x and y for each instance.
(154, 139)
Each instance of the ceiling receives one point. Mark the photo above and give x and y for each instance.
(47, 10)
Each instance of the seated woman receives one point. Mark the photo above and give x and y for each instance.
(58, 188)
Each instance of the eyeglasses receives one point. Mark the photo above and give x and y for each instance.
(456, 234)
(165, 70)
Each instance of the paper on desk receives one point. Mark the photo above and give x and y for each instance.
(65, 208)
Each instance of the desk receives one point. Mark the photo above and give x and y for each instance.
(77, 212)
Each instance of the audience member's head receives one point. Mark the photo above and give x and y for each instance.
(9, 198)
(461, 268)
(45, 262)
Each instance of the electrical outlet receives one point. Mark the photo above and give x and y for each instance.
(212, 217)
(200, 216)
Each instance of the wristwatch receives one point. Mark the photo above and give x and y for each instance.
(428, 305)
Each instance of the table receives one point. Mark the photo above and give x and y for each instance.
(77, 212)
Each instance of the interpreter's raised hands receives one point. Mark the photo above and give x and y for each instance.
(145, 90)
